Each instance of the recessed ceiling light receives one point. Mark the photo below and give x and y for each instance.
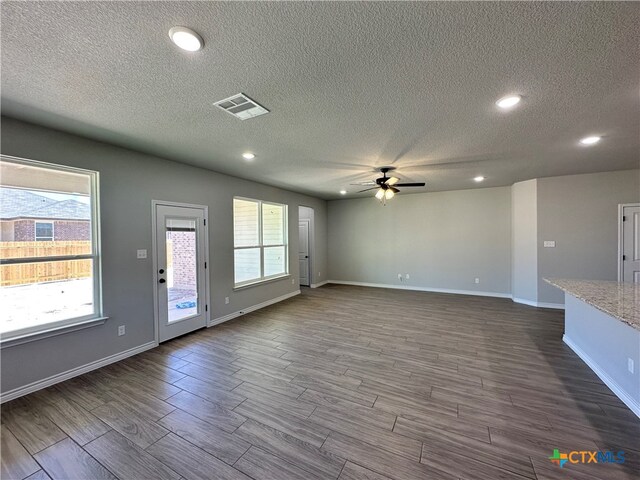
(248, 156)
(479, 178)
(590, 140)
(186, 39)
(343, 192)
(509, 101)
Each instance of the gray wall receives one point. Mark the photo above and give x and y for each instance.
(442, 240)
(580, 212)
(128, 182)
(524, 238)
(607, 342)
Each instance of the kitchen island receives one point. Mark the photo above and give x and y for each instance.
(602, 326)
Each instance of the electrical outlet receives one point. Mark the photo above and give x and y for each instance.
(141, 254)
(407, 276)
(226, 300)
(293, 281)
(630, 365)
(477, 280)
(121, 330)
(318, 273)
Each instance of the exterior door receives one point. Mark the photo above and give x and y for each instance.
(180, 276)
(303, 251)
(631, 243)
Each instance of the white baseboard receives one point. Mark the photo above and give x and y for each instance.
(231, 316)
(558, 306)
(422, 289)
(629, 401)
(74, 372)
(531, 303)
(318, 285)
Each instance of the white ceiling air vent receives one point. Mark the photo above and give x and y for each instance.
(241, 106)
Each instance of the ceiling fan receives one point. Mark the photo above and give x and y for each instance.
(386, 186)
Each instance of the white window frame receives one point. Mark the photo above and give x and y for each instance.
(36, 332)
(261, 246)
(35, 231)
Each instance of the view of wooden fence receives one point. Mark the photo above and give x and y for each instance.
(25, 273)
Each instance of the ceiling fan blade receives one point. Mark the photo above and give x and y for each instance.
(363, 183)
(367, 189)
(394, 190)
(420, 184)
(392, 181)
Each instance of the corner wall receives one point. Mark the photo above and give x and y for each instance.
(446, 239)
(580, 213)
(524, 239)
(443, 240)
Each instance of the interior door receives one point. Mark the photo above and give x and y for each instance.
(631, 244)
(303, 251)
(180, 250)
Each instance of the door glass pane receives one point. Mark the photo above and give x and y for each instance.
(272, 224)
(182, 268)
(247, 264)
(274, 261)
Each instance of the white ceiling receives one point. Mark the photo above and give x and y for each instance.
(350, 86)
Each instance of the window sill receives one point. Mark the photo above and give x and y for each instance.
(261, 282)
(34, 336)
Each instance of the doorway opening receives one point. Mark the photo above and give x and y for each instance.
(305, 244)
(629, 243)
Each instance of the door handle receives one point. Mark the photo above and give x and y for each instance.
(306, 256)
(161, 271)
(162, 280)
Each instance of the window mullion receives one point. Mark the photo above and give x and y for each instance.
(260, 226)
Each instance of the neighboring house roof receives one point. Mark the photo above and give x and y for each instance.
(17, 203)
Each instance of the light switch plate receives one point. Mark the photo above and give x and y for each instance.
(142, 254)
(549, 243)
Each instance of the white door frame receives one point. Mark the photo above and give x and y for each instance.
(621, 207)
(154, 273)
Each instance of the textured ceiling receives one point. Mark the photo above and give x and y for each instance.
(350, 86)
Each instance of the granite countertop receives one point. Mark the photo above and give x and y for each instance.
(618, 299)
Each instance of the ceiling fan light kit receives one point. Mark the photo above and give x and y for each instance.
(384, 186)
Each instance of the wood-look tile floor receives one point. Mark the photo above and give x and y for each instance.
(339, 382)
